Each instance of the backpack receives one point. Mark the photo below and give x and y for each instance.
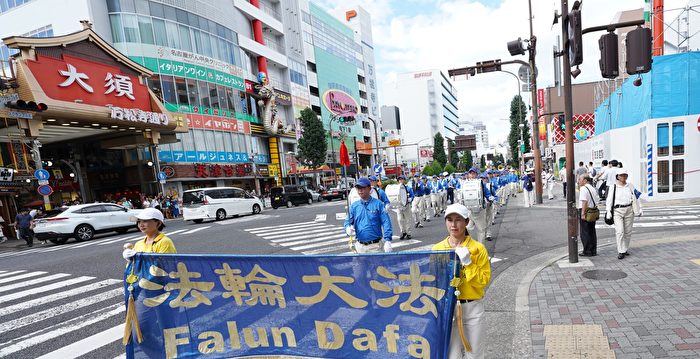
(528, 185)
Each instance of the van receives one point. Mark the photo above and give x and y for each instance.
(289, 195)
(217, 203)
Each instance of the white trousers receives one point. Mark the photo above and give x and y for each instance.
(480, 224)
(404, 218)
(473, 324)
(435, 203)
(550, 187)
(418, 208)
(624, 219)
(443, 203)
(490, 215)
(370, 248)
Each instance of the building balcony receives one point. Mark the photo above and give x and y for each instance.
(258, 49)
(254, 13)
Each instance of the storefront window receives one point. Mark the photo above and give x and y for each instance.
(203, 93)
(211, 140)
(169, 94)
(662, 139)
(242, 103)
(223, 104)
(678, 179)
(678, 138)
(213, 96)
(181, 88)
(146, 30)
(662, 175)
(197, 41)
(200, 143)
(228, 142)
(154, 84)
(192, 92)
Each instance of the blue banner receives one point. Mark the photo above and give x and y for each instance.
(344, 306)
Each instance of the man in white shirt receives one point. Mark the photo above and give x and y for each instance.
(611, 176)
(588, 198)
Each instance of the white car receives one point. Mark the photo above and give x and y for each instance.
(314, 195)
(217, 203)
(83, 221)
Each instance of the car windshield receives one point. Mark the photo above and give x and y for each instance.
(193, 197)
(276, 190)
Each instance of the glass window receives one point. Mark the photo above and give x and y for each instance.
(181, 16)
(181, 88)
(113, 208)
(193, 19)
(154, 84)
(200, 142)
(112, 5)
(213, 96)
(173, 38)
(211, 141)
(206, 43)
(678, 177)
(228, 142)
(197, 41)
(161, 36)
(146, 30)
(242, 103)
(170, 13)
(169, 94)
(128, 6)
(678, 134)
(185, 40)
(214, 46)
(156, 9)
(192, 92)
(662, 176)
(223, 104)
(203, 94)
(224, 51)
(229, 99)
(116, 21)
(131, 28)
(662, 139)
(142, 7)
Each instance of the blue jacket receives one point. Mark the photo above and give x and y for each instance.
(421, 189)
(382, 195)
(369, 218)
(435, 186)
(487, 193)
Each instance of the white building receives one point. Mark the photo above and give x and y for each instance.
(482, 138)
(428, 103)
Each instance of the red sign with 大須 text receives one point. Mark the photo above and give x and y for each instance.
(71, 78)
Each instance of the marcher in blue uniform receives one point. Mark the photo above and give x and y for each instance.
(380, 192)
(404, 212)
(435, 187)
(368, 221)
(421, 192)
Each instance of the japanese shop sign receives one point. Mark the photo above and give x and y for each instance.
(197, 59)
(190, 71)
(136, 115)
(72, 78)
(369, 306)
(340, 103)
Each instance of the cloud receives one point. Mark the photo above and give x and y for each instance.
(415, 35)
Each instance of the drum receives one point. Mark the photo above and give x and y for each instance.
(471, 193)
(397, 195)
(353, 196)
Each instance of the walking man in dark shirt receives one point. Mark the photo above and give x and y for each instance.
(23, 223)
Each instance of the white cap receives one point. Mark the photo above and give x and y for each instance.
(148, 213)
(621, 171)
(460, 209)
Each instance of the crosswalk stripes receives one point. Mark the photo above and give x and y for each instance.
(660, 217)
(51, 307)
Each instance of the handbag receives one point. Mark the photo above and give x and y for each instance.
(592, 213)
(611, 221)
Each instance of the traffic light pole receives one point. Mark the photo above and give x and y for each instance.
(572, 213)
(535, 111)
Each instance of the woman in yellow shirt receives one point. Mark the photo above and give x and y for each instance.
(475, 275)
(150, 223)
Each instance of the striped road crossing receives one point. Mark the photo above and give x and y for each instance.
(659, 217)
(313, 237)
(40, 311)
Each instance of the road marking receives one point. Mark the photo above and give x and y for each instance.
(340, 216)
(93, 242)
(195, 230)
(61, 329)
(320, 218)
(394, 244)
(298, 234)
(33, 282)
(124, 239)
(21, 276)
(11, 273)
(252, 230)
(61, 309)
(57, 296)
(314, 241)
(46, 288)
(289, 228)
(88, 344)
(312, 236)
(246, 219)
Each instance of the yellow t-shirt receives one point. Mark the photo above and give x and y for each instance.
(161, 244)
(475, 276)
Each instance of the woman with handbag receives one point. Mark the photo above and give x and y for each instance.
(622, 205)
(589, 214)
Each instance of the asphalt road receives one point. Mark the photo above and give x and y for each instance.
(64, 301)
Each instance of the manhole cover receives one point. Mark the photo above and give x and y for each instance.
(604, 274)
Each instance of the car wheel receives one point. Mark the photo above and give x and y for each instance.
(58, 240)
(289, 204)
(256, 208)
(84, 232)
(275, 207)
(197, 220)
(329, 199)
(220, 214)
(310, 200)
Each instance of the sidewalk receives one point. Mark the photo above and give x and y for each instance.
(543, 307)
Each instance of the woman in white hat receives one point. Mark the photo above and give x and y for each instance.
(474, 275)
(622, 205)
(150, 223)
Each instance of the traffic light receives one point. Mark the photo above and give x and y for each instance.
(515, 47)
(609, 65)
(638, 46)
(488, 66)
(561, 123)
(575, 38)
(26, 106)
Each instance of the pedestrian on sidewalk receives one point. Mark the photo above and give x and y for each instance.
(622, 205)
(562, 177)
(474, 275)
(601, 178)
(150, 223)
(588, 198)
(528, 190)
(3, 239)
(23, 223)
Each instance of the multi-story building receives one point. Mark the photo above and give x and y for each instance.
(391, 117)
(428, 103)
(482, 138)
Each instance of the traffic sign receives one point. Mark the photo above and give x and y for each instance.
(377, 168)
(43, 182)
(41, 174)
(20, 114)
(161, 176)
(394, 143)
(45, 190)
(8, 98)
(698, 124)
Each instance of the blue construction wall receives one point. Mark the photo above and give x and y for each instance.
(670, 89)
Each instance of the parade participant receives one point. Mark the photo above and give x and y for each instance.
(420, 191)
(493, 188)
(368, 221)
(588, 198)
(443, 195)
(452, 184)
(622, 205)
(489, 201)
(23, 223)
(435, 187)
(404, 213)
(477, 205)
(549, 182)
(426, 198)
(528, 190)
(380, 192)
(150, 223)
(474, 274)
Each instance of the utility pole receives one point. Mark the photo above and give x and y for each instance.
(572, 213)
(535, 113)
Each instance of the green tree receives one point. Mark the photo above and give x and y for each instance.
(454, 158)
(312, 144)
(449, 168)
(467, 161)
(428, 170)
(518, 113)
(437, 167)
(499, 160)
(482, 162)
(439, 149)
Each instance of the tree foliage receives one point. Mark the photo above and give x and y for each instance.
(466, 162)
(482, 162)
(518, 113)
(449, 168)
(437, 168)
(439, 149)
(428, 170)
(454, 158)
(312, 144)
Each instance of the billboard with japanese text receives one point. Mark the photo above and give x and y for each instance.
(346, 306)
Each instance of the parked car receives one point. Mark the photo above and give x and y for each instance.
(314, 194)
(334, 193)
(289, 196)
(217, 203)
(83, 221)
